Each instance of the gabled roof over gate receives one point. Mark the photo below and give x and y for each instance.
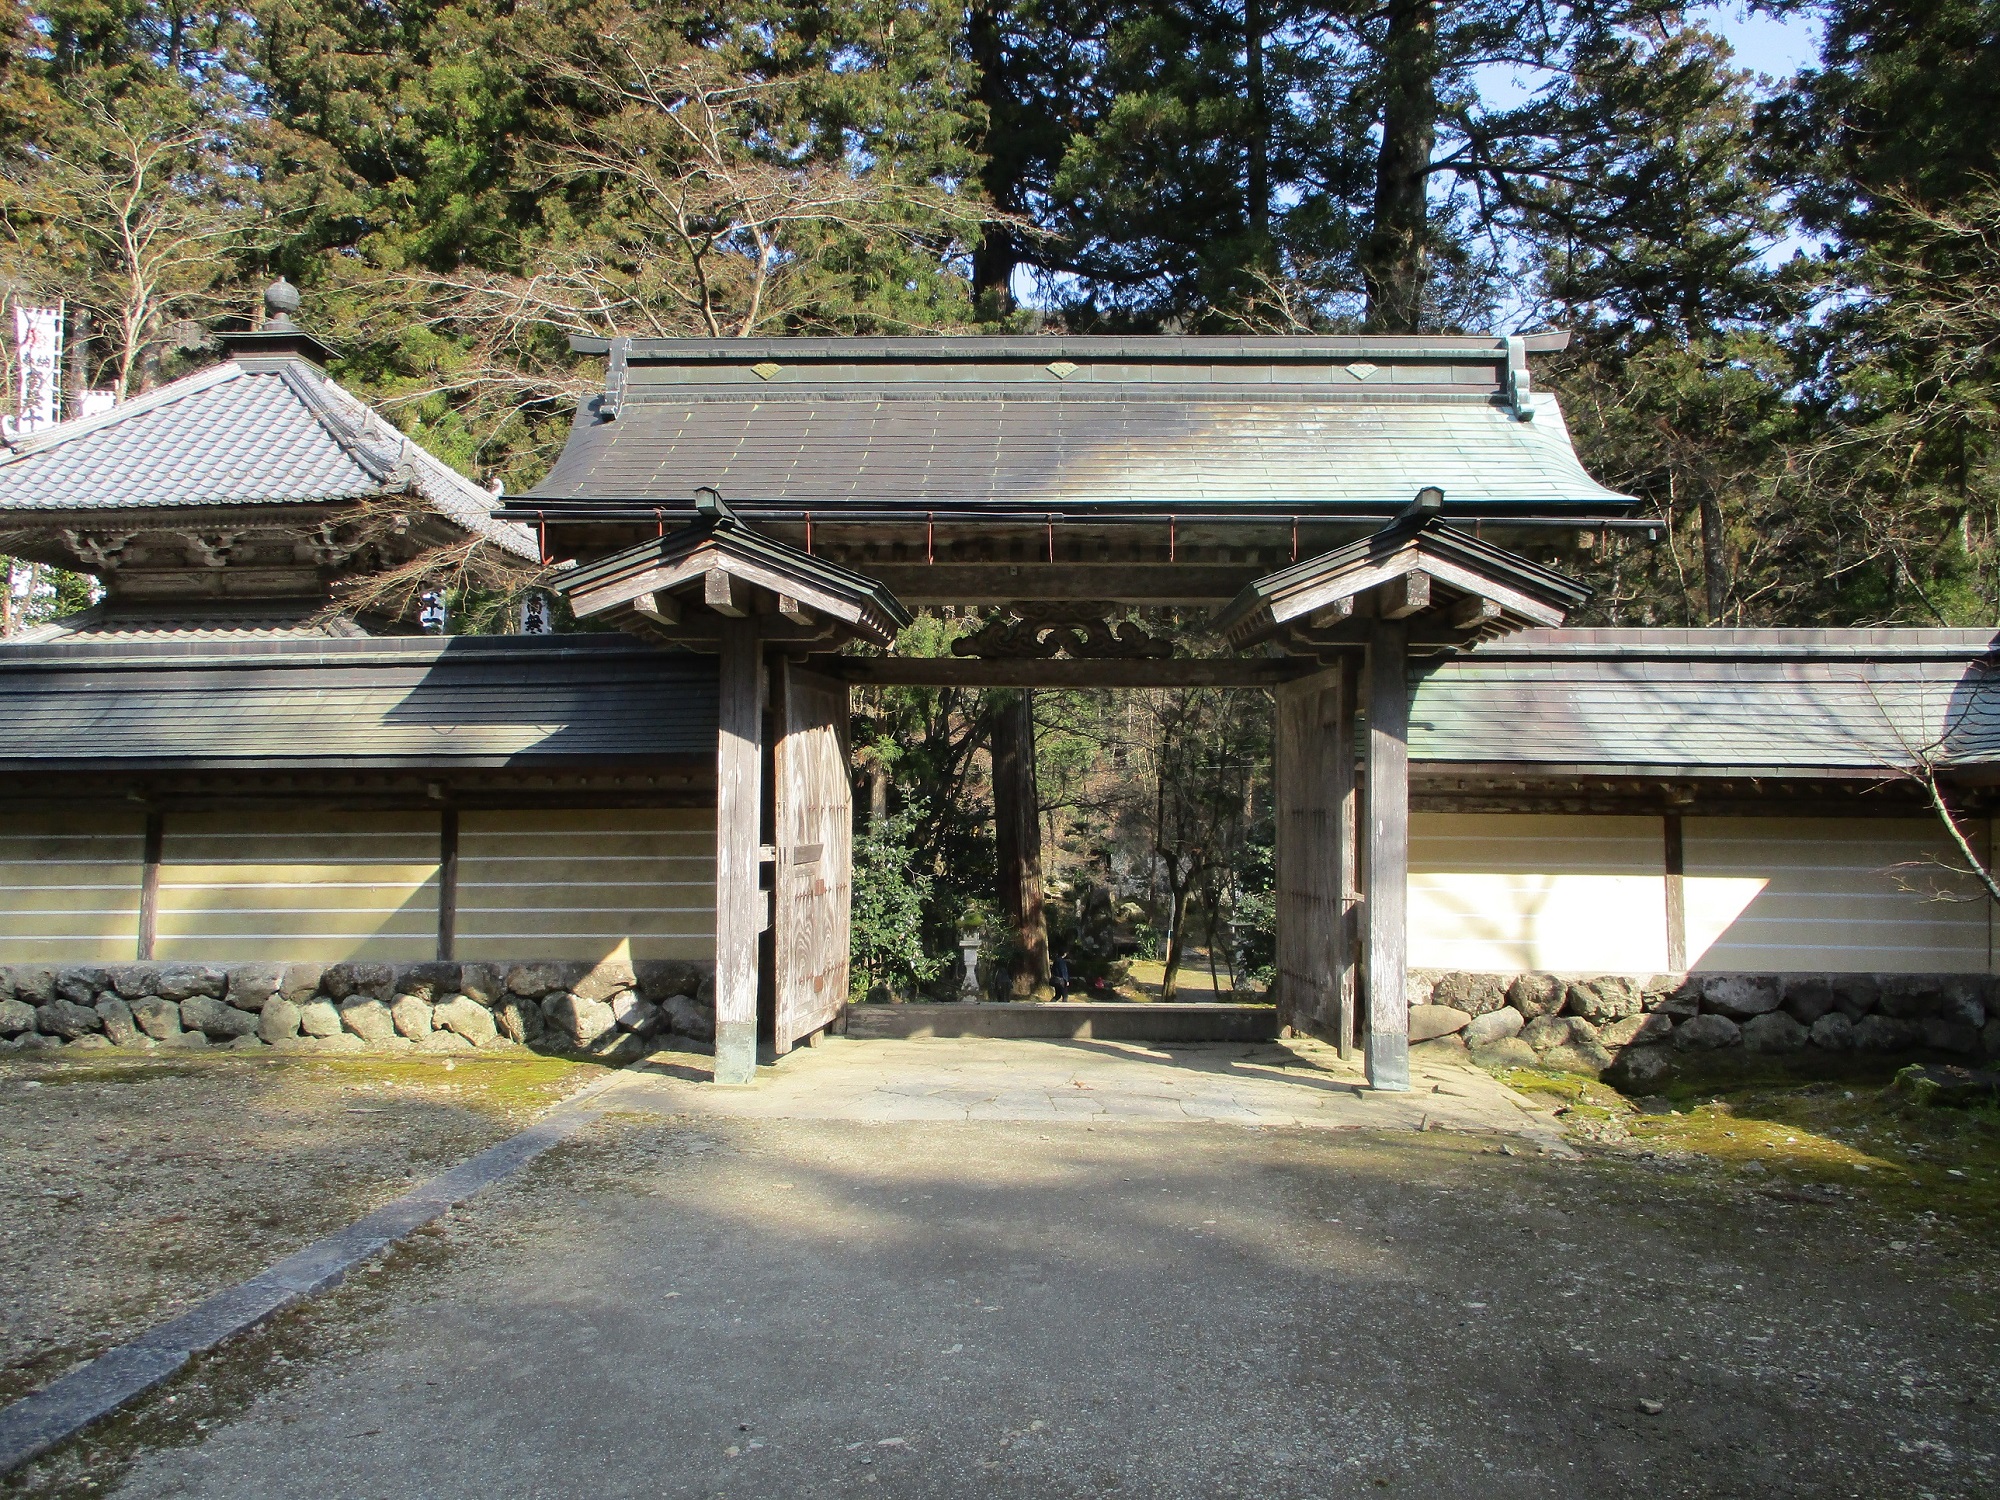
(674, 588)
(1463, 589)
(1076, 425)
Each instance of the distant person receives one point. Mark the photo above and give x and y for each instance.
(1059, 976)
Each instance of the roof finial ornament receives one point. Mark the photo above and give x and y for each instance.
(710, 509)
(281, 300)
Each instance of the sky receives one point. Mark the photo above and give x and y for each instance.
(1768, 44)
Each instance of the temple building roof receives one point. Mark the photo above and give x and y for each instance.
(1327, 426)
(236, 435)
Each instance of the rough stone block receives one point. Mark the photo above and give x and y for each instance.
(1508, 1052)
(1578, 1055)
(602, 981)
(80, 986)
(278, 1021)
(343, 982)
(1452, 1046)
(1636, 1031)
(1833, 1031)
(1909, 997)
(484, 983)
(1535, 994)
(1544, 1032)
(1475, 994)
(1887, 1034)
(91, 1039)
(1429, 1021)
(1417, 989)
(1855, 995)
(1739, 996)
(220, 1022)
(428, 981)
(1706, 1033)
(1807, 997)
(1989, 1038)
(301, 982)
(194, 1041)
(633, 1013)
(184, 981)
(250, 1042)
(159, 1019)
(319, 1018)
(16, 1016)
(35, 984)
(1942, 1035)
(66, 1019)
(1774, 1031)
(340, 1041)
(135, 981)
(688, 1016)
(535, 981)
(577, 1021)
(662, 977)
(1494, 1026)
(115, 1016)
(1639, 1067)
(1677, 1003)
(1607, 997)
(518, 1020)
(1962, 998)
(467, 1018)
(445, 1041)
(250, 985)
(369, 1019)
(411, 1017)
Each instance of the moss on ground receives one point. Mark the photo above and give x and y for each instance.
(1854, 1135)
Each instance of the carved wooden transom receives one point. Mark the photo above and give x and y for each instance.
(1081, 630)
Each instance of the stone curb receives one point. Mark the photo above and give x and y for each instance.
(40, 1421)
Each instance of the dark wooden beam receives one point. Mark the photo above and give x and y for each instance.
(1386, 894)
(954, 671)
(447, 885)
(725, 594)
(917, 582)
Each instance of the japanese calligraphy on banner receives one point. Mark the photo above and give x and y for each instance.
(38, 358)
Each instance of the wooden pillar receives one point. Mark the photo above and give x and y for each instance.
(447, 948)
(739, 901)
(1346, 829)
(149, 885)
(1676, 866)
(1387, 893)
(1017, 835)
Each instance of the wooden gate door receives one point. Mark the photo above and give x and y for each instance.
(813, 832)
(1315, 859)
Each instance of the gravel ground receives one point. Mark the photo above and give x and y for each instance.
(135, 1187)
(713, 1306)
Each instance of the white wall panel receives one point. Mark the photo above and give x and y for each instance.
(1769, 895)
(1502, 892)
(567, 884)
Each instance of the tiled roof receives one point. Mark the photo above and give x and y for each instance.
(1709, 702)
(1069, 424)
(228, 435)
(463, 701)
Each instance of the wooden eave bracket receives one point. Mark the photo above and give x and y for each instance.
(684, 600)
(1445, 602)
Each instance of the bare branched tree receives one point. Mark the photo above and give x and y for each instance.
(128, 210)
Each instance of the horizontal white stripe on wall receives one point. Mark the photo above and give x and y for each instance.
(1790, 894)
(592, 885)
(69, 887)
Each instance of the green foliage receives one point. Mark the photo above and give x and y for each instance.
(888, 949)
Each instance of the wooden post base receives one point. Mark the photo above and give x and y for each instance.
(735, 1053)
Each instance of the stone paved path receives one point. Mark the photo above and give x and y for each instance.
(1297, 1084)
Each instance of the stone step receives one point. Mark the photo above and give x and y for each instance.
(1069, 1020)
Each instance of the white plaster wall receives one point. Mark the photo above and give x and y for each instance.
(1776, 895)
(1501, 892)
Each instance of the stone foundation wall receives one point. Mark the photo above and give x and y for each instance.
(604, 1009)
(1634, 1029)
